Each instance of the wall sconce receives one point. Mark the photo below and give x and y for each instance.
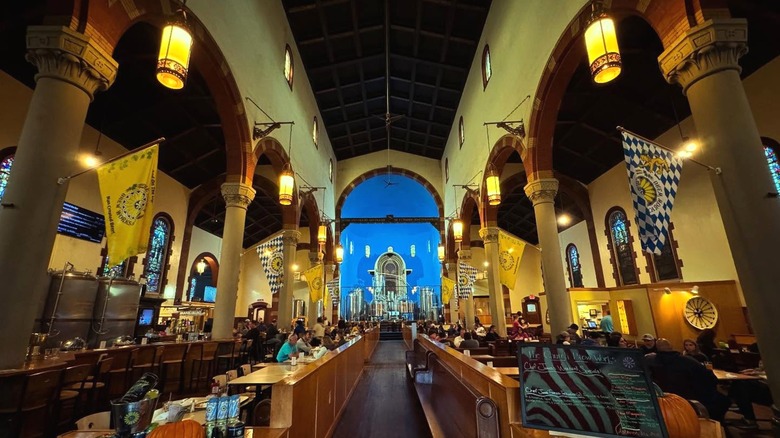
(602, 46)
(173, 61)
(200, 267)
(695, 290)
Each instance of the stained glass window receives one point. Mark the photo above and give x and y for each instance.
(5, 172)
(157, 254)
(665, 265)
(288, 65)
(575, 269)
(622, 252)
(113, 271)
(487, 66)
(771, 159)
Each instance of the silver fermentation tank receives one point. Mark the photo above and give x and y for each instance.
(115, 311)
(70, 312)
(427, 304)
(355, 304)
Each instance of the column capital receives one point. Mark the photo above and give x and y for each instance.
(314, 258)
(237, 194)
(464, 254)
(489, 234)
(64, 54)
(541, 191)
(713, 46)
(291, 237)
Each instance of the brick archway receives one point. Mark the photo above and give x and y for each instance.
(498, 158)
(274, 151)
(670, 19)
(106, 22)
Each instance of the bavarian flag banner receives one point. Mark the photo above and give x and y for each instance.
(653, 176)
(127, 189)
(272, 260)
(510, 251)
(467, 275)
(314, 280)
(447, 287)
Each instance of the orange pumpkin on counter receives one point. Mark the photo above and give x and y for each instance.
(179, 429)
(680, 418)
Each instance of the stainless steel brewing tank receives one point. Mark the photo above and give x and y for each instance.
(118, 315)
(74, 310)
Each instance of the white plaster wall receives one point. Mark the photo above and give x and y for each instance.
(578, 235)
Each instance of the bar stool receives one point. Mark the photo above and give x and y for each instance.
(95, 388)
(68, 406)
(119, 375)
(225, 355)
(207, 361)
(25, 401)
(145, 359)
(172, 368)
(245, 353)
(194, 352)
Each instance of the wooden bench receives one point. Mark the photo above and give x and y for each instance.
(476, 351)
(416, 359)
(452, 407)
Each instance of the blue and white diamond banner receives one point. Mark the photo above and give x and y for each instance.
(653, 175)
(467, 275)
(272, 259)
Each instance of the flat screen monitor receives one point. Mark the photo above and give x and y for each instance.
(592, 324)
(210, 294)
(531, 308)
(146, 317)
(81, 223)
(596, 391)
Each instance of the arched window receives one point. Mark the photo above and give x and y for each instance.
(122, 270)
(487, 67)
(315, 133)
(573, 263)
(6, 161)
(289, 65)
(771, 148)
(665, 266)
(158, 253)
(621, 251)
(461, 132)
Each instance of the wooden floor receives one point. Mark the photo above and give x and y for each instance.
(384, 403)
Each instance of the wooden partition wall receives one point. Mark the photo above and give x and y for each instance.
(310, 402)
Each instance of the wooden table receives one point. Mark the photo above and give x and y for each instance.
(725, 376)
(250, 432)
(267, 376)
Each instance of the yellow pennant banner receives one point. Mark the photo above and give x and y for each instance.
(314, 280)
(127, 190)
(510, 251)
(447, 288)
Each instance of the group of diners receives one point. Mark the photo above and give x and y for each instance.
(455, 334)
(265, 343)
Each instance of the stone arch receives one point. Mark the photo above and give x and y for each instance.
(394, 171)
(309, 203)
(468, 204)
(670, 20)
(106, 23)
(274, 151)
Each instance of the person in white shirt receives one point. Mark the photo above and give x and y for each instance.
(481, 332)
(304, 342)
(458, 339)
(317, 350)
(319, 328)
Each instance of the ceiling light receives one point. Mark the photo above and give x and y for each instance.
(201, 266)
(564, 219)
(602, 46)
(175, 49)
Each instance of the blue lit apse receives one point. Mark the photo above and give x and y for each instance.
(394, 293)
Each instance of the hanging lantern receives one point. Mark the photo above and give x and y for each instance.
(174, 58)
(602, 45)
(201, 266)
(493, 185)
(441, 253)
(322, 234)
(457, 230)
(339, 254)
(286, 185)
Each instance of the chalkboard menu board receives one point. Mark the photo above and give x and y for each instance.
(81, 223)
(591, 390)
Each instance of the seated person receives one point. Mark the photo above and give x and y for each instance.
(327, 342)
(591, 340)
(563, 338)
(574, 337)
(491, 334)
(648, 344)
(469, 342)
(289, 349)
(616, 339)
(480, 331)
(303, 342)
(691, 349)
(684, 376)
(317, 350)
(458, 339)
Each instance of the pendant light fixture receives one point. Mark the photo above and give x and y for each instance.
(457, 230)
(201, 266)
(441, 252)
(173, 60)
(287, 177)
(322, 234)
(339, 254)
(492, 180)
(602, 45)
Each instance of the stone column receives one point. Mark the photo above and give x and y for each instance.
(237, 196)
(542, 193)
(489, 236)
(311, 310)
(452, 274)
(468, 303)
(71, 68)
(290, 247)
(330, 269)
(705, 63)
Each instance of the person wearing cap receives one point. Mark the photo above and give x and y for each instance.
(575, 338)
(648, 344)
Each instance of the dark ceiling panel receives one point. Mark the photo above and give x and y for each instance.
(342, 45)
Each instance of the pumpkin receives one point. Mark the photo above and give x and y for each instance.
(680, 418)
(179, 429)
